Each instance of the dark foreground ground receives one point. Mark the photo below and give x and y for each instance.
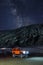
(22, 61)
(34, 59)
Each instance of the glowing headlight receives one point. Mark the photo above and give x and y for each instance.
(25, 52)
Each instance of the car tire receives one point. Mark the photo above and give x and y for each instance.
(13, 55)
(21, 55)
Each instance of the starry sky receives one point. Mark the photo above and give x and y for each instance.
(18, 13)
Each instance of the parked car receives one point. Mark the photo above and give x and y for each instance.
(20, 53)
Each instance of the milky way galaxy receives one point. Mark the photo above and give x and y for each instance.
(18, 13)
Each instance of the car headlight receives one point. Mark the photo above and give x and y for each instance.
(25, 52)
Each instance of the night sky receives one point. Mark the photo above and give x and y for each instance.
(18, 13)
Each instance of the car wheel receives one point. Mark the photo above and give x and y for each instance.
(21, 55)
(13, 55)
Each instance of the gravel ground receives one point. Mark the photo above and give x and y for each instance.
(22, 61)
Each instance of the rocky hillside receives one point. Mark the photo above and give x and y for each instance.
(31, 35)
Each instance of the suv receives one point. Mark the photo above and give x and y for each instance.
(19, 52)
